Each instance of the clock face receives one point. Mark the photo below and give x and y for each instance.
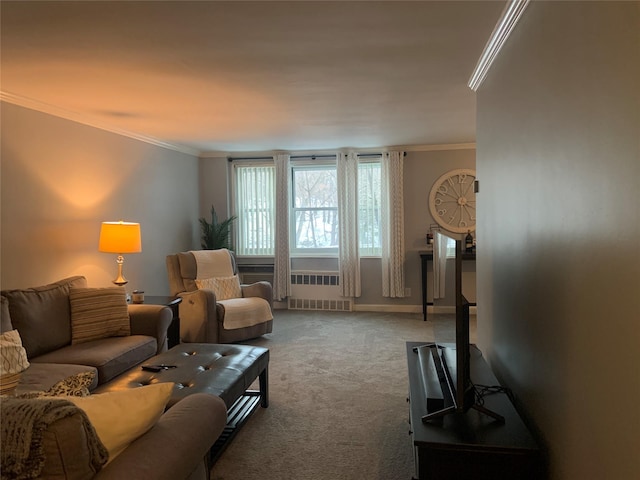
(452, 201)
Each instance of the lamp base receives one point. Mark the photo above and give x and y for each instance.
(120, 280)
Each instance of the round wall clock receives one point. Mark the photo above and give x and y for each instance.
(452, 201)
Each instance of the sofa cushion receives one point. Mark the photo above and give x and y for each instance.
(42, 315)
(40, 377)
(5, 316)
(110, 356)
(98, 313)
(136, 411)
(74, 386)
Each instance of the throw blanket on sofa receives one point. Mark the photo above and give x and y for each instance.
(23, 424)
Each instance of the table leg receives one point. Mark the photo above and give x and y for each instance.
(264, 387)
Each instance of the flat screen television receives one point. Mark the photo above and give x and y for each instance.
(446, 370)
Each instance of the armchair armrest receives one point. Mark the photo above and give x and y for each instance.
(151, 320)
(176, 445)
(199, 317)
(259, 289)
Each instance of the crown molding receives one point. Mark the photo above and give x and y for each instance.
(90, 121)
(508, 19)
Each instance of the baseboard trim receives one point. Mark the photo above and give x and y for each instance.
(409, 308)
(431, 309)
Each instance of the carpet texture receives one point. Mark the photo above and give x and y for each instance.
(338, 398)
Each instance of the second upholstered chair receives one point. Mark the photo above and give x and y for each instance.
(215, 307)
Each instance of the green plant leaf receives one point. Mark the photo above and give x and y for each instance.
(216, 234)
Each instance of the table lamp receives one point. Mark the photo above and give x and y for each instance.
(120, 237)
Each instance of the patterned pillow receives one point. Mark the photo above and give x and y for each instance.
(13, 356)
(98, 313)
(224, 287)
(74, 386)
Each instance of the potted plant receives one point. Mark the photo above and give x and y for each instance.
(216, 234)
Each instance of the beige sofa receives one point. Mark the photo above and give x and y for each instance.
(176, 447)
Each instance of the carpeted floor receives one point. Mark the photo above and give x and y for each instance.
(338, 388)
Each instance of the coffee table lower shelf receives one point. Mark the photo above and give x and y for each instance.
(237, 416)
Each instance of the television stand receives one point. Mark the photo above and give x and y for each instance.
(471, 444)
(452, 410)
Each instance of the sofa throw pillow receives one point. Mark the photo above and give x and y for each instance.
(98, 313)
(13, 356)
(224, 287)
(120, 417)
(42, 316)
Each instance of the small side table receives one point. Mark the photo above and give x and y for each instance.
(173, 333)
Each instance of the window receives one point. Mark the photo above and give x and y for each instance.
(255, 209)
(451, 248)
(314, 213)
(369, 190)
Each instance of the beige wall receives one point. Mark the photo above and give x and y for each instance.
(60, 180)
(421, 170)
(558, 159)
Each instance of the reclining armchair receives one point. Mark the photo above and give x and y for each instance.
(215, 307)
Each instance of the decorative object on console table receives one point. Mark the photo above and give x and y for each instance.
(173, 332)
(452, 201)
(468, 242)
(120, 237)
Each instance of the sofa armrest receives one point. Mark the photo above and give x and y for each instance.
(199, 317)
(151, 320)
(176, 445)
(259, 289)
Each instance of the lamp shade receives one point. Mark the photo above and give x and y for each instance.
(120, 237)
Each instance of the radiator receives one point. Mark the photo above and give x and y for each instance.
(317, 291)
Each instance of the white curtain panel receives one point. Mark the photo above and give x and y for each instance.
(282, 262)
(347, 169)
(392, 223)
(439, 265)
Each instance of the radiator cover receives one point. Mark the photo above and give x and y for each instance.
(317, 291)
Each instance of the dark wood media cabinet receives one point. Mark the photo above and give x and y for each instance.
(471, 445)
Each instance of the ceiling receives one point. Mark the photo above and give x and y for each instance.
(211, 76)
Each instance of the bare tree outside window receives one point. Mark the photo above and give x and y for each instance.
(315, 207)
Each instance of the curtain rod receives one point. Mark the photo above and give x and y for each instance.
(312, 157)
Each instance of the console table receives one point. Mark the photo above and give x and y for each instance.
(470, 445)
(426, 256)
